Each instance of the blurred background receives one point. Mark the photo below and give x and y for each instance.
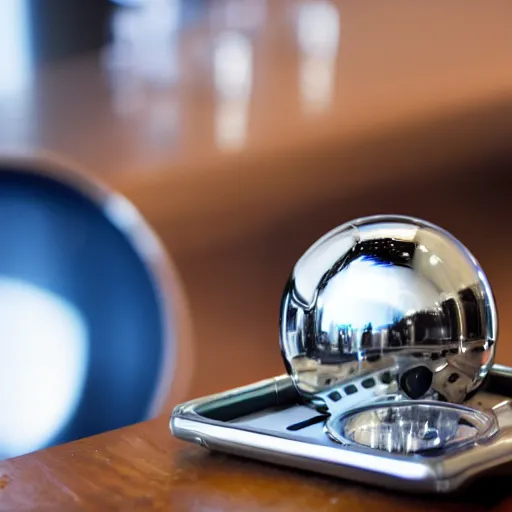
(242, 130)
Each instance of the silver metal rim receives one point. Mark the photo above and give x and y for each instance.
(486, 424)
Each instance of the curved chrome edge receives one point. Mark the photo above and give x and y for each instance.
(487, 424)
(300, 454)
(190, 408)
(501, 369)
(127, 219)
(441, 474)
(357, 223)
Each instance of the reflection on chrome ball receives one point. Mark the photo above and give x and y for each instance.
(389, 292)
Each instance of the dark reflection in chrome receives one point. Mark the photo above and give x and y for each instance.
(389, 292)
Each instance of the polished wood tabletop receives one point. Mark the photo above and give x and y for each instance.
(243, 131)
(143, 468)
(216, 117)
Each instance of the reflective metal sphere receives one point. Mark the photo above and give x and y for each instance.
(389, 292)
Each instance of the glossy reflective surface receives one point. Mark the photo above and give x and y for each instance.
(413, 427)
(420, 446)
(389, 292)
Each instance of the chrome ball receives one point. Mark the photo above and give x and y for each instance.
(389, 292)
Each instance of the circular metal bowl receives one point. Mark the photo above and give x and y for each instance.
(415, 426)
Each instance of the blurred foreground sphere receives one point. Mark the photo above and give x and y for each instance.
(94, 330)
(389, 292)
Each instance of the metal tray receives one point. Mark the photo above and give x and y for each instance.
(269, 421)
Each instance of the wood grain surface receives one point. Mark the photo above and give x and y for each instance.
(143, 468)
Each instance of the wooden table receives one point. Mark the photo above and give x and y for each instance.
(143, 468)
(417, 120)
(235, 301)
